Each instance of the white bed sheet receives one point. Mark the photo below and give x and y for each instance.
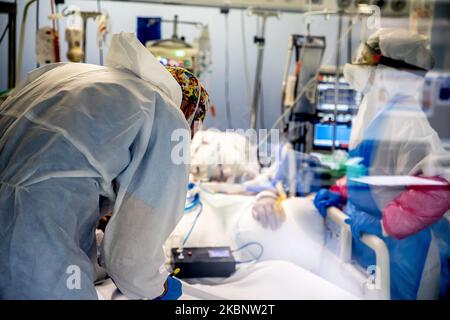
(268, 280)
(279, 275)
(226, 221)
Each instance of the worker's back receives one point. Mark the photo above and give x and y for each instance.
(79, 110)
(70, 134)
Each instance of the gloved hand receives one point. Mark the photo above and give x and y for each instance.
(267, 211)
(361, 222)
(325, 199)
(173, 289)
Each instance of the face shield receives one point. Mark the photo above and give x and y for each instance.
(370, 56)
(366, 55)
(360, 73)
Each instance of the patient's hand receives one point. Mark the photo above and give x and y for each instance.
(268, 211)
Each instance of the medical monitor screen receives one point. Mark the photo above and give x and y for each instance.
(323, 136)
(347, 100)
(346, 103)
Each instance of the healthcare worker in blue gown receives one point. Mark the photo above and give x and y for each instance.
(75, 140)
(391, 136)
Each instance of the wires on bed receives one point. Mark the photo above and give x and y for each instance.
(100, 48)
(247, 245)
(200, 209)
(192, 202)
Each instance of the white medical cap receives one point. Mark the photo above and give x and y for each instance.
(403, 45)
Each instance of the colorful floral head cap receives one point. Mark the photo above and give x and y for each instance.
(190, 87)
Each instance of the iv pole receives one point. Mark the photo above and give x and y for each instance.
(85, 15)
(337, 82)
(259, 40)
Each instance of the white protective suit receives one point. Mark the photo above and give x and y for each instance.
(73, 139)
(392, 136)
(408, 144)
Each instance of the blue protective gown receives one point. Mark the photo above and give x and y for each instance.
(397, 140)
(72, 137)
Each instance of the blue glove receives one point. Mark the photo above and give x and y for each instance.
(173, 289)
(361, 222)
(325, 199)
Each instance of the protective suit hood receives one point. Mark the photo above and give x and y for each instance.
(387, 84)
(126, 52)
(77, 141)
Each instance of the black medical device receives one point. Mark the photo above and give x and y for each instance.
(201, 262)
(347, 105)
(308, 51)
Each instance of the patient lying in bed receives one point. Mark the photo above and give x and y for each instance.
(294, 254)
(226, 220)
(304, 238)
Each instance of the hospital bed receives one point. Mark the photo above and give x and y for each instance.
(227, 221)
(279, 274)
(268, 280)
(380, 280)
(305, 239)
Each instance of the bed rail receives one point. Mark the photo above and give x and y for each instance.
(381, 285)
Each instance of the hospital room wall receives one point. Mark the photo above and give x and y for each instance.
(123, 17)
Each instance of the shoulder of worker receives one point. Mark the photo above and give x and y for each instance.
(106, 91)
(86, 99)
(108, 81)
(400, 122)
(121, 91)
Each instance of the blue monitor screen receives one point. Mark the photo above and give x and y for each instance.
(218, 253)
(148, 29)
(323, 135)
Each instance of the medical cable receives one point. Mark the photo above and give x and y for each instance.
(200, 206)
(261, 105)
(307, 85)
(55, 33)
(245, 246)
(100, 48)
(195, 202)
(37, 14)
(22, 39)
(4, 33)
(336, 84)
(245, 59)
(37, 25)
(298, 69)
(57, 14)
